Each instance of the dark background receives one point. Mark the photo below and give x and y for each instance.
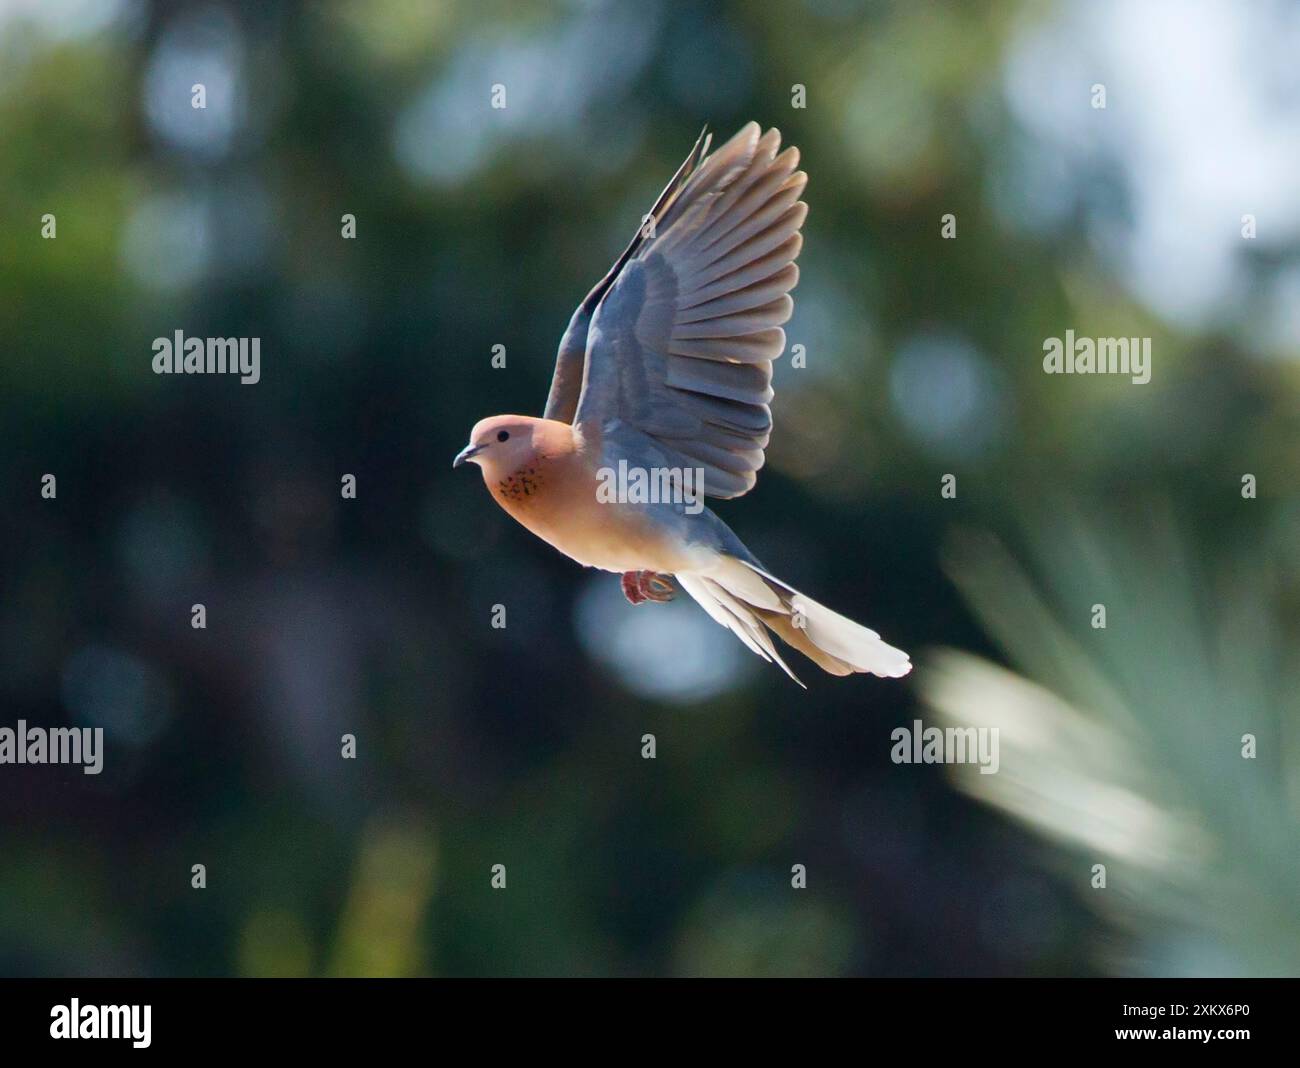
(522, 746)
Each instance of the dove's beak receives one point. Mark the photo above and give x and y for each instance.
(466, 453)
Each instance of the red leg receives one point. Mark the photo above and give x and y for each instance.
(632, 588)
(641, 586)
(658, 587)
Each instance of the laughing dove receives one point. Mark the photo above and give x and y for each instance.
(660, 397)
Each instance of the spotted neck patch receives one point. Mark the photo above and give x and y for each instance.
(520, 485)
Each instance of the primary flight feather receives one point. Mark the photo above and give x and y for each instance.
(665, 372)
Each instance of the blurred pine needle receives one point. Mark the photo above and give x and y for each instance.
(1126, 749)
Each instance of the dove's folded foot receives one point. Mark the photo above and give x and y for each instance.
(641, 586)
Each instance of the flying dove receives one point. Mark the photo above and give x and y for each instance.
(664, 376)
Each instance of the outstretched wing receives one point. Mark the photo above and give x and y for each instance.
(680, 347)
(566, 383)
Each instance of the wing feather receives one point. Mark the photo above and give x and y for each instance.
(680, 346)
(570, 360)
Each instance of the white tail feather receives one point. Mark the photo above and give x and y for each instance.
(735, 616)
(745, 599)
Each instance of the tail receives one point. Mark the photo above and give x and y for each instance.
(745, 599)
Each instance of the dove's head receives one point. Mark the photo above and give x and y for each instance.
(502, 444)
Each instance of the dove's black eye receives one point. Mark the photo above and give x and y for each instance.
(503, 435)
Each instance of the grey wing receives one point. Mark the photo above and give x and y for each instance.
(566, 383)
(680, 347)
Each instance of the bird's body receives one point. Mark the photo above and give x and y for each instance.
(555, 496)
(665, 371)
